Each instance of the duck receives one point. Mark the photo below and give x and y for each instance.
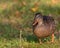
(43, 26)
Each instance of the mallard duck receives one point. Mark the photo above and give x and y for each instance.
(43, 26)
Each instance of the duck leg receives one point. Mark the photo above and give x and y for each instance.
(40, 41)
(52, 38)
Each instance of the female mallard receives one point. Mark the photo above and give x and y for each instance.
(43, 26)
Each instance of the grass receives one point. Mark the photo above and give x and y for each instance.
(9, 43)
(8, 37)
(31, 41)
(18, 14)
(26, 44)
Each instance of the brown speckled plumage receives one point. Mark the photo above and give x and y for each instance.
(43, 26)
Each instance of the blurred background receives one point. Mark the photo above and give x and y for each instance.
(16, 18)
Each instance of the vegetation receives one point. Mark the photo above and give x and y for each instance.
(16, 17)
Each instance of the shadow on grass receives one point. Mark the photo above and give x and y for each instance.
(30, 38)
